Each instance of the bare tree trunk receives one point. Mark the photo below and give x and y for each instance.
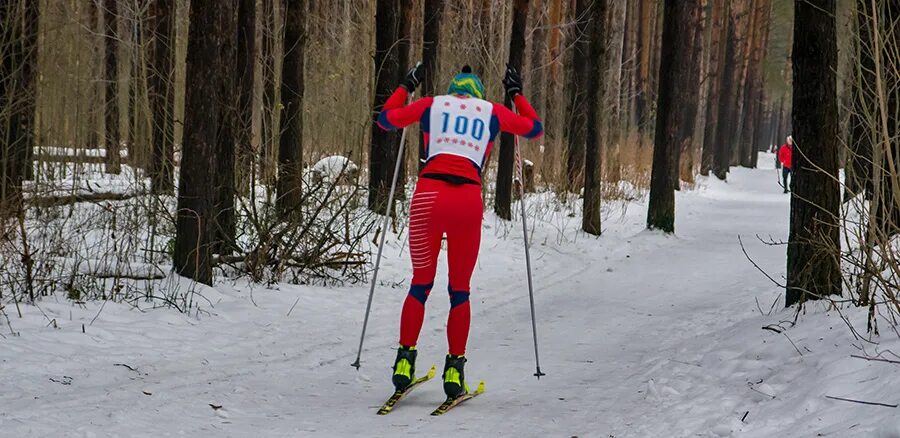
(113, 140)
(719, 34)
(383, 150)
(246, 62)
(225, 218)
(753, 86)
(18, 61)
(611, 110)
(642, 97)
(162, 97)
(577, 101)
(404, 45)
(813, 267)
(591, 223)
(434, 16)
(209, 98)
(506, 157)
(677, 94)
(728, 106)
(290, 148)
(26, 114)
(538, 57)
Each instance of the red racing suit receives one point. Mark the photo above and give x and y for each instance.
(458, 133)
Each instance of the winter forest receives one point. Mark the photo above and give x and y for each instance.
(653, 218)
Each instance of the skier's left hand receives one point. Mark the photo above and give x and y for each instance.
(512, 82)
(414, 77)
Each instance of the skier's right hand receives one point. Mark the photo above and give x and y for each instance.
(414, 77)
(512, 82)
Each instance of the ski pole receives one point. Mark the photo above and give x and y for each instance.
(384, 230)
(521, 174)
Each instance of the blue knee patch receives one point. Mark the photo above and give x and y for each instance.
(420, 291)
(458, 297)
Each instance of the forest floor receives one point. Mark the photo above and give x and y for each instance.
(641, 335)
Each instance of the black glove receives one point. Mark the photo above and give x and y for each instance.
(512, 82)
(414, 77)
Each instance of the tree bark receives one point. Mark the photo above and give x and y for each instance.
(675, 122)
(111, 72)
(754, 84)
(506, 157)
(17, 98)
(591, 223)
(162, 98)
(577, 101)
(431, 38)
(290, 146)
(246, 63)
(720, 23)
(611, 111)
(383, 150)
(729, 96)
(642, 97)
(404, 45)
(213, 29)
(538, 57)
(813, 267)
(29, 72)
(225, 218)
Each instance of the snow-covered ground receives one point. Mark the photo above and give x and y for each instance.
(641, 335)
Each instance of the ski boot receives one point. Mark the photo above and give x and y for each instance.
(454, 376)
(404, 367)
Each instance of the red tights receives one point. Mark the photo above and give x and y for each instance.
(439, 208)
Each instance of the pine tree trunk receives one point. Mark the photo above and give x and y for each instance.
(506, 157)
(719, 34)
(18, 37)
(404, 45)
(629, 65)
(26, 113)
(383, 150)
(728, 117)
(577, 99)
(813, 267)
(209, 96)
(886, 43)
(431, 37)
(675, 122)
(611, 109)
(591, 223)
(538, 57)
(862, 140)
(246, 62)
(753, 86)
(688, 132)
(642, 97)
(290, 146)
(111, 72)
(162, 97)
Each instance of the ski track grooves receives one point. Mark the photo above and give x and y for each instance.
(611, 313)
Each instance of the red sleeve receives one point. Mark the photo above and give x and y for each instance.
(526, 123)
(396, 116)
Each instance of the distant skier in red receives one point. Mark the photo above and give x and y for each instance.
(459, 130)
(784, 156)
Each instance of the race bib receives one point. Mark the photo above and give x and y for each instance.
(460, 126)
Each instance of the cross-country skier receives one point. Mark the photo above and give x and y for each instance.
(784, 156)
(459, 129)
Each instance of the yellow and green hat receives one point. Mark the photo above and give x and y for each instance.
(467, 83)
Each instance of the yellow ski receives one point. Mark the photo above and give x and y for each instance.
(451, 403)
(388, 406)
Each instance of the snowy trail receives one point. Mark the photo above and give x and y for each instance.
(620, 318)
